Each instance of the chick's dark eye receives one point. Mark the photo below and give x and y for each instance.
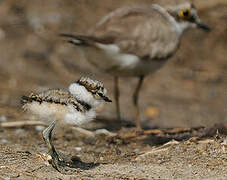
(93, 92)
(100, 94)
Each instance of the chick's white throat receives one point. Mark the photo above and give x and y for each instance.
(83, 95)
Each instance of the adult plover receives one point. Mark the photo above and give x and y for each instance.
(136, 41)
(75, 106)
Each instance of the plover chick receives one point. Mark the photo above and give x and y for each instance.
(136, 41)
(75, 106)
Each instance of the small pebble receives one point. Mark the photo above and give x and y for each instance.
(3, 141)
(136, 150)
(47, 163)
(78, 148)
(3, 119)
(39, 128)
(104, 132)
(6, 178)
(19, 131)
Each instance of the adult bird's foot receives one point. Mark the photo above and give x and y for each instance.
(139, 131)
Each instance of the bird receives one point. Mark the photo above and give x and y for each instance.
(74, 106)
(135, 41)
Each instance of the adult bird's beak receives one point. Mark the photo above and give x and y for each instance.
(105, 98)
(202, 25)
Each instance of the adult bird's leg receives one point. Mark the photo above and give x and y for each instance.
(59, 160)
(116, 97)
(135, 103)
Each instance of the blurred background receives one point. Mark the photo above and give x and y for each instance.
(191, 90)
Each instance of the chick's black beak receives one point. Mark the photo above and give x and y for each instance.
(203, 26)
(105, 98)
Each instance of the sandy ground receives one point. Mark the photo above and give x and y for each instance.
(190, 91)
(23, 155)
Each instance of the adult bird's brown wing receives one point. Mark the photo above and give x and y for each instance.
(144, 31)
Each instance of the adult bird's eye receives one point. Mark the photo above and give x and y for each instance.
(185, 14)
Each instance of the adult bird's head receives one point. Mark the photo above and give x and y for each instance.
(186, 16)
